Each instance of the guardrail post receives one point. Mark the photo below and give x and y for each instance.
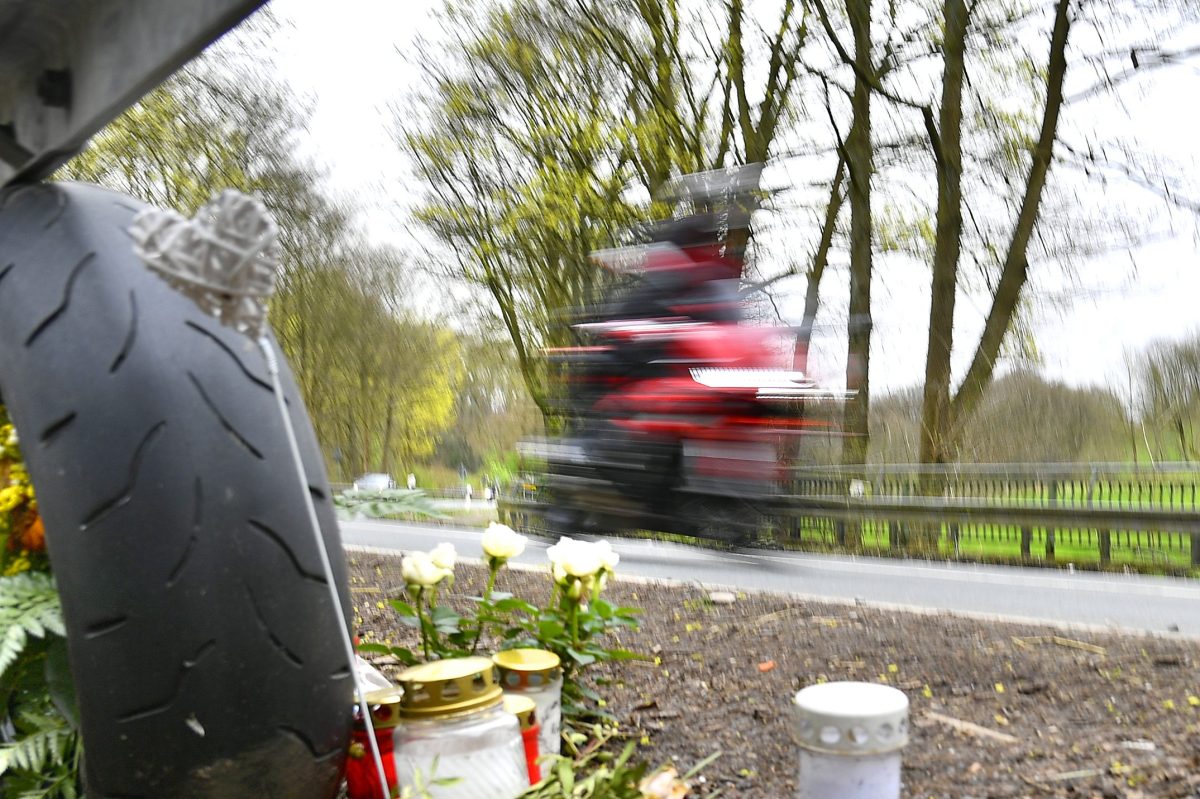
(1196, 549)
(1105, 547)
(1026, 542)
(1050, 530)
(839, 527)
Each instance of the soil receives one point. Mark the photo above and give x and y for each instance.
(1058, 712)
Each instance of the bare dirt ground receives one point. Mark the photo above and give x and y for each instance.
(997, 709)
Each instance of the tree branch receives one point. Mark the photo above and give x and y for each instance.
(1016, 264)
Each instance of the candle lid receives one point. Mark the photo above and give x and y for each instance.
(524, 708)
(851, 718)
(448, 687)
(527, 668)
(385, 708)
(528, 660)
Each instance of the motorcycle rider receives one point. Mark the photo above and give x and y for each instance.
(689, 275)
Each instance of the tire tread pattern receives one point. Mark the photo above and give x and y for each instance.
(201, 637)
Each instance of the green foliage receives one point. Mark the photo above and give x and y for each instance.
(396, 502)
(492, 410)
(47, 743)
(548, 126)
(575, 624)
(423, 783)
(379, 382)
(40, 759)
(577, 633)
(596, 775)
(28, 607)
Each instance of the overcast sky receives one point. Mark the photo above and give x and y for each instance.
(355, 58)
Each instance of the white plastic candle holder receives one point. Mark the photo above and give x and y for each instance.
(850, 736)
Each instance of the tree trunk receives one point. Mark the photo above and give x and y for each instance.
(1016, 265)
(859, 161)
(1185, 451)
(937, 444)
(388, 425)
(816, 270)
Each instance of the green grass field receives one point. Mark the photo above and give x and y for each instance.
(1143, 552)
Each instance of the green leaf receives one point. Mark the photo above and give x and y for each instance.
(511, 604)
(548, 630)
(703, 764)
(45, 745)
(403, 608)
(626, 753)
(443, 613)
(566, 776)
(28, 607)
(445, 620)
(375, 649)
(589, 693)
(405, 656)
(582, 658)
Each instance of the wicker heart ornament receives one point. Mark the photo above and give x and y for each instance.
(224, 259)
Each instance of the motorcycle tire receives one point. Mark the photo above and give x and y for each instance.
(202, 640)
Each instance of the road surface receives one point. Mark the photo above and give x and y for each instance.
(1139, 603)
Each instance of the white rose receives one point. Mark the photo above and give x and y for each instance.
(575, 558)
(419, 569)
(443, 556)
(501, 542)
(608, 558)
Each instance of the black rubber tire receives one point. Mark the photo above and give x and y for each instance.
(202, 639)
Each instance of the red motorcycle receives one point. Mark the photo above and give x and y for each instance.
(677, 408)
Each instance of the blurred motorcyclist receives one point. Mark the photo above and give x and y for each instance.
(685, 276)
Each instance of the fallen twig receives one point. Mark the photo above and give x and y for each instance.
(971, 728)
(777, 614)
(1070, 643)
(1074, 775)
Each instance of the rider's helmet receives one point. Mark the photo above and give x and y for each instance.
(715, 226)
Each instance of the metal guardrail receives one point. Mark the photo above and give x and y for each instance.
(1152, 511)
(1119, 512)
(974, 511)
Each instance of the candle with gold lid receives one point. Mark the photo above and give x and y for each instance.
(536, 673)
(362, 778)
(525, 710)
(451, 712)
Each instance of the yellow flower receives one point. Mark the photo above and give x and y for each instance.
(20, 563)
(10, 497)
